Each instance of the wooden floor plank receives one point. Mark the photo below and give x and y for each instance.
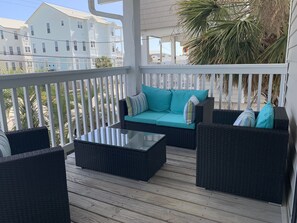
(169, 196)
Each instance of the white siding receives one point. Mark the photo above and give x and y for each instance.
(291, 103)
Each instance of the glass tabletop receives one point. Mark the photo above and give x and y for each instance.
(122, 138)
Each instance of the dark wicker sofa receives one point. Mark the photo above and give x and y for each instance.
(179, 137)
(33, 180)
(243, 161)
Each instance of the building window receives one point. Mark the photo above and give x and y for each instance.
(7, 67)
(43, 47)
(112, 32)
(67, 45)
(11, 50)
(1, 33)
(19, 50)
(13, 66)
(32, 31)
(4, 50)
(62, 23)
(48, 28)
(113, 48)
(25, 36)
(27, 49)
(77, 64)
(56, 46)
(93, 62)
(21, 65)
(75, 45)
(15, 35)
(92, 44)
(79, 25)
(34, 48)
(84, 46)
(29, 64)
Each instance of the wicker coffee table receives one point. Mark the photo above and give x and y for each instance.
(131, 154)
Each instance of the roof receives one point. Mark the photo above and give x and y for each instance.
(11, 23)
(77, 14)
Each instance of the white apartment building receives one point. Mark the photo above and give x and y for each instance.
(67, 39)
(15, 47)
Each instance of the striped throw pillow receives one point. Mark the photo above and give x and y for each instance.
(136, 104)
(4, 145)
(189, 109)
(246, 118)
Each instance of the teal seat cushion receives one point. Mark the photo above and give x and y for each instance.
(181, 97)
(148, 117)
(265, 118)
(158, 99)
(174, 120)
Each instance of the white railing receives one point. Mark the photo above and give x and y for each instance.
(68, 102)
(233, 86)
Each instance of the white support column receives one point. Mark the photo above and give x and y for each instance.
(145, 50)
(173, 50)
(132, 44)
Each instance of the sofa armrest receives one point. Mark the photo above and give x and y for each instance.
(281, 120)
(226, 117)
(27, 140)
(33, 186)
(123, 112)
(203, 111)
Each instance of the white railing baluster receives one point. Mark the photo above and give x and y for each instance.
(60, 113)
(112, 99)
(82, 100)
(179, 80)
(212, 77)
(97, 114)
(270, 87)
(158, 80)
(90, 107)
(68, 111)
(171, 81)
(203, 81)
(39, 106)
(164, 78)
(76, 109)
(239, 91)
(16, 110)
(221, 90)
(143, 79)
(196, 81)
(250, 78)
(117, 97)
(28, 107)
(107, 100)
(150, 80)
(102, 101)
(50, 114)
(121, 87)
(259, 92)
(3, 119)
(187, 81)
(230, 86)
(282, 90)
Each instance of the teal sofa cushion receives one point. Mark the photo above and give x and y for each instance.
(181, 97)
(174, 120)
(265, 118)
(158, 99)
(148, 117)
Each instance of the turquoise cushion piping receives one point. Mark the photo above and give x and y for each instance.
(158, 99)
(148, 117)
(174, 120)
(181, 97)
(265, 118)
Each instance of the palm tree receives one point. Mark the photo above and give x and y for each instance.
(236, 32)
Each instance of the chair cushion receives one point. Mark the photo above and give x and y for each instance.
(181, 97)
(174, 120)
(158, 99)
(136, 104)
(265, 118)
(246, 118)
(189, 110)
(148, 117)
(4, 145)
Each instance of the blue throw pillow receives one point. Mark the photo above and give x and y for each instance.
(158, 99)
(265, 118)
(181, 97)
(246, 118)
(136, 104)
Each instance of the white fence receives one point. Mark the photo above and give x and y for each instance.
(233, 86)
(66, 102)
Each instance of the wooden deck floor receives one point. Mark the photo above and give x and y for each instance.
(170, 196)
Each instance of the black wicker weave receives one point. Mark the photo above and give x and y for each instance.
(117, 160)
(243, 161)
(179, 137)
(33, 180)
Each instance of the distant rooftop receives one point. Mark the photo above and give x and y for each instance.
(11, 23)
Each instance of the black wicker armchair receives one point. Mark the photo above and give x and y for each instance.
(33, 180)
(243, 161)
